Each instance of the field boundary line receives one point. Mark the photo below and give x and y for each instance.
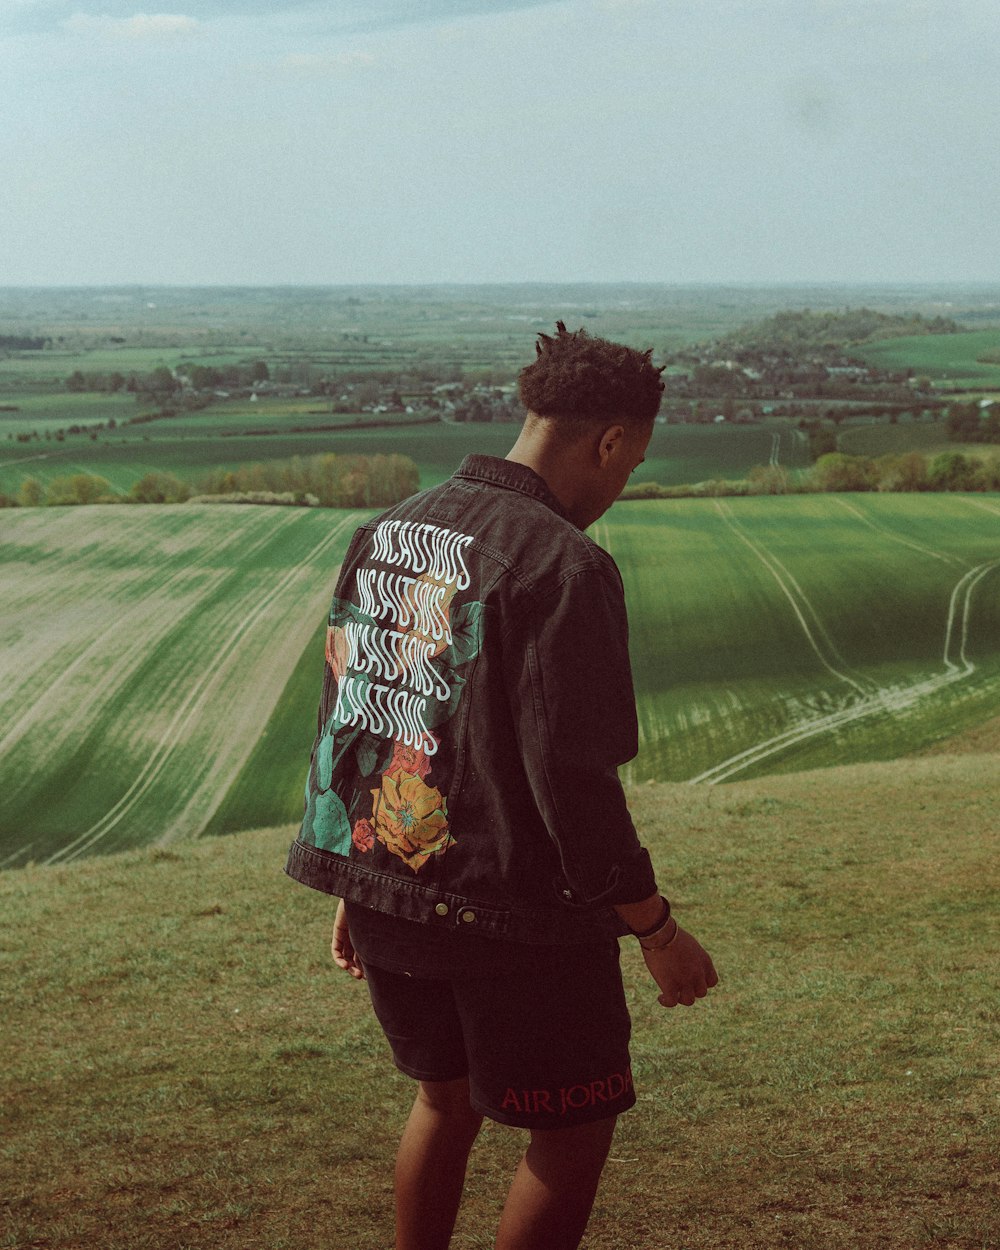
(196, 696)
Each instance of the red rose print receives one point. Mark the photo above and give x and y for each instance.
(363, 836)
(410, 760)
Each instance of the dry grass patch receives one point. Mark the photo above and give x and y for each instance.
(184, 1067)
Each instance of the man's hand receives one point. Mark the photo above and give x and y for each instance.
(344, 954)
(683, 970)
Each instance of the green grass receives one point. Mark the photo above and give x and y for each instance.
(752, 617)
(127, 716)
(51, 368)
(945, 358)
(184, 1067)
(270, 784)
(928, 437)
(41, 411)
(164, 664)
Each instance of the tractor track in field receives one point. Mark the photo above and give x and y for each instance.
(879, 698)
(191, 706)
(139, 647)
(816, 635)
(898, 538)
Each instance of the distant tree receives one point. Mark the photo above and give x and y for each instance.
(160, 384)
(964, 422)
(159, 487)
(31, 493)
(76, 488)
(259, 371)
(768, 479)
(907, 472)
(987, 474)
(952, 470)
(76, 382)
(836, 472)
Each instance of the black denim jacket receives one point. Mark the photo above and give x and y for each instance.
(477, 702)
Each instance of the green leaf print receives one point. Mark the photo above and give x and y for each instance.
(331, 830)
(466, 633)
(373, 754)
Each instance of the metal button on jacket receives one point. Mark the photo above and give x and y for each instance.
(441, 909)
(468, 916)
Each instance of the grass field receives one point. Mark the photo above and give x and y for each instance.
(162, 664)
(930, 438)
(142, 655)
(224, 438)
(807, 630)
(183, 1068)
(944, 358)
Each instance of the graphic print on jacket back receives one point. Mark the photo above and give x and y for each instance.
(396, 651)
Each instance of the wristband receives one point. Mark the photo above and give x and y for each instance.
(648, 933)
(655, 942)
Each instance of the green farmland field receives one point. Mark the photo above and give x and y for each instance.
(785, 633)
(162, 664)
(143, 652)
(224, 437)
(945, 358)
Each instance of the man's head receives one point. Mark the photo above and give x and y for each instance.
(591, 405)
(576, 378)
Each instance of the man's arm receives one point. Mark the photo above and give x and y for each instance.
(570, 694)
(574, 709)
(342, 948)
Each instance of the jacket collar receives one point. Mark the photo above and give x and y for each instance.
(511, 476)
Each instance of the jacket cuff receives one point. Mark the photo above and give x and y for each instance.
(629, 881)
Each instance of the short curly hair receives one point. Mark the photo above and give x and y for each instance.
(577, 377)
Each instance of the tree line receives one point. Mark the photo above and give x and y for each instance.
(836, 471)
(326, 481)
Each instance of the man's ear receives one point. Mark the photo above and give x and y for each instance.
(610, 443)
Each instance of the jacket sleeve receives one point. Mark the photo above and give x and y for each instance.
(572, 700)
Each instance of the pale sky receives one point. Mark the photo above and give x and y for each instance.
(265, 142)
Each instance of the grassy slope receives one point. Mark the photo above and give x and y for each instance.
(722, 660)
(183, 1067)
(146, 654)
(108, 630)
(880, 438)
(270, 784)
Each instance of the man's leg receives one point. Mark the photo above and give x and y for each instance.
(431, 1162)
(553, 1190)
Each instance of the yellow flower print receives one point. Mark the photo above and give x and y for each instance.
(411, 819)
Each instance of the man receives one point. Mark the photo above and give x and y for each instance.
(463, 801)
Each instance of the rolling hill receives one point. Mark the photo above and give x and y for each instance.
(162, 664)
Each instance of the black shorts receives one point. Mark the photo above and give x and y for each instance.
(545, 1046)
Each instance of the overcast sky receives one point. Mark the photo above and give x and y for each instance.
(269, 141)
